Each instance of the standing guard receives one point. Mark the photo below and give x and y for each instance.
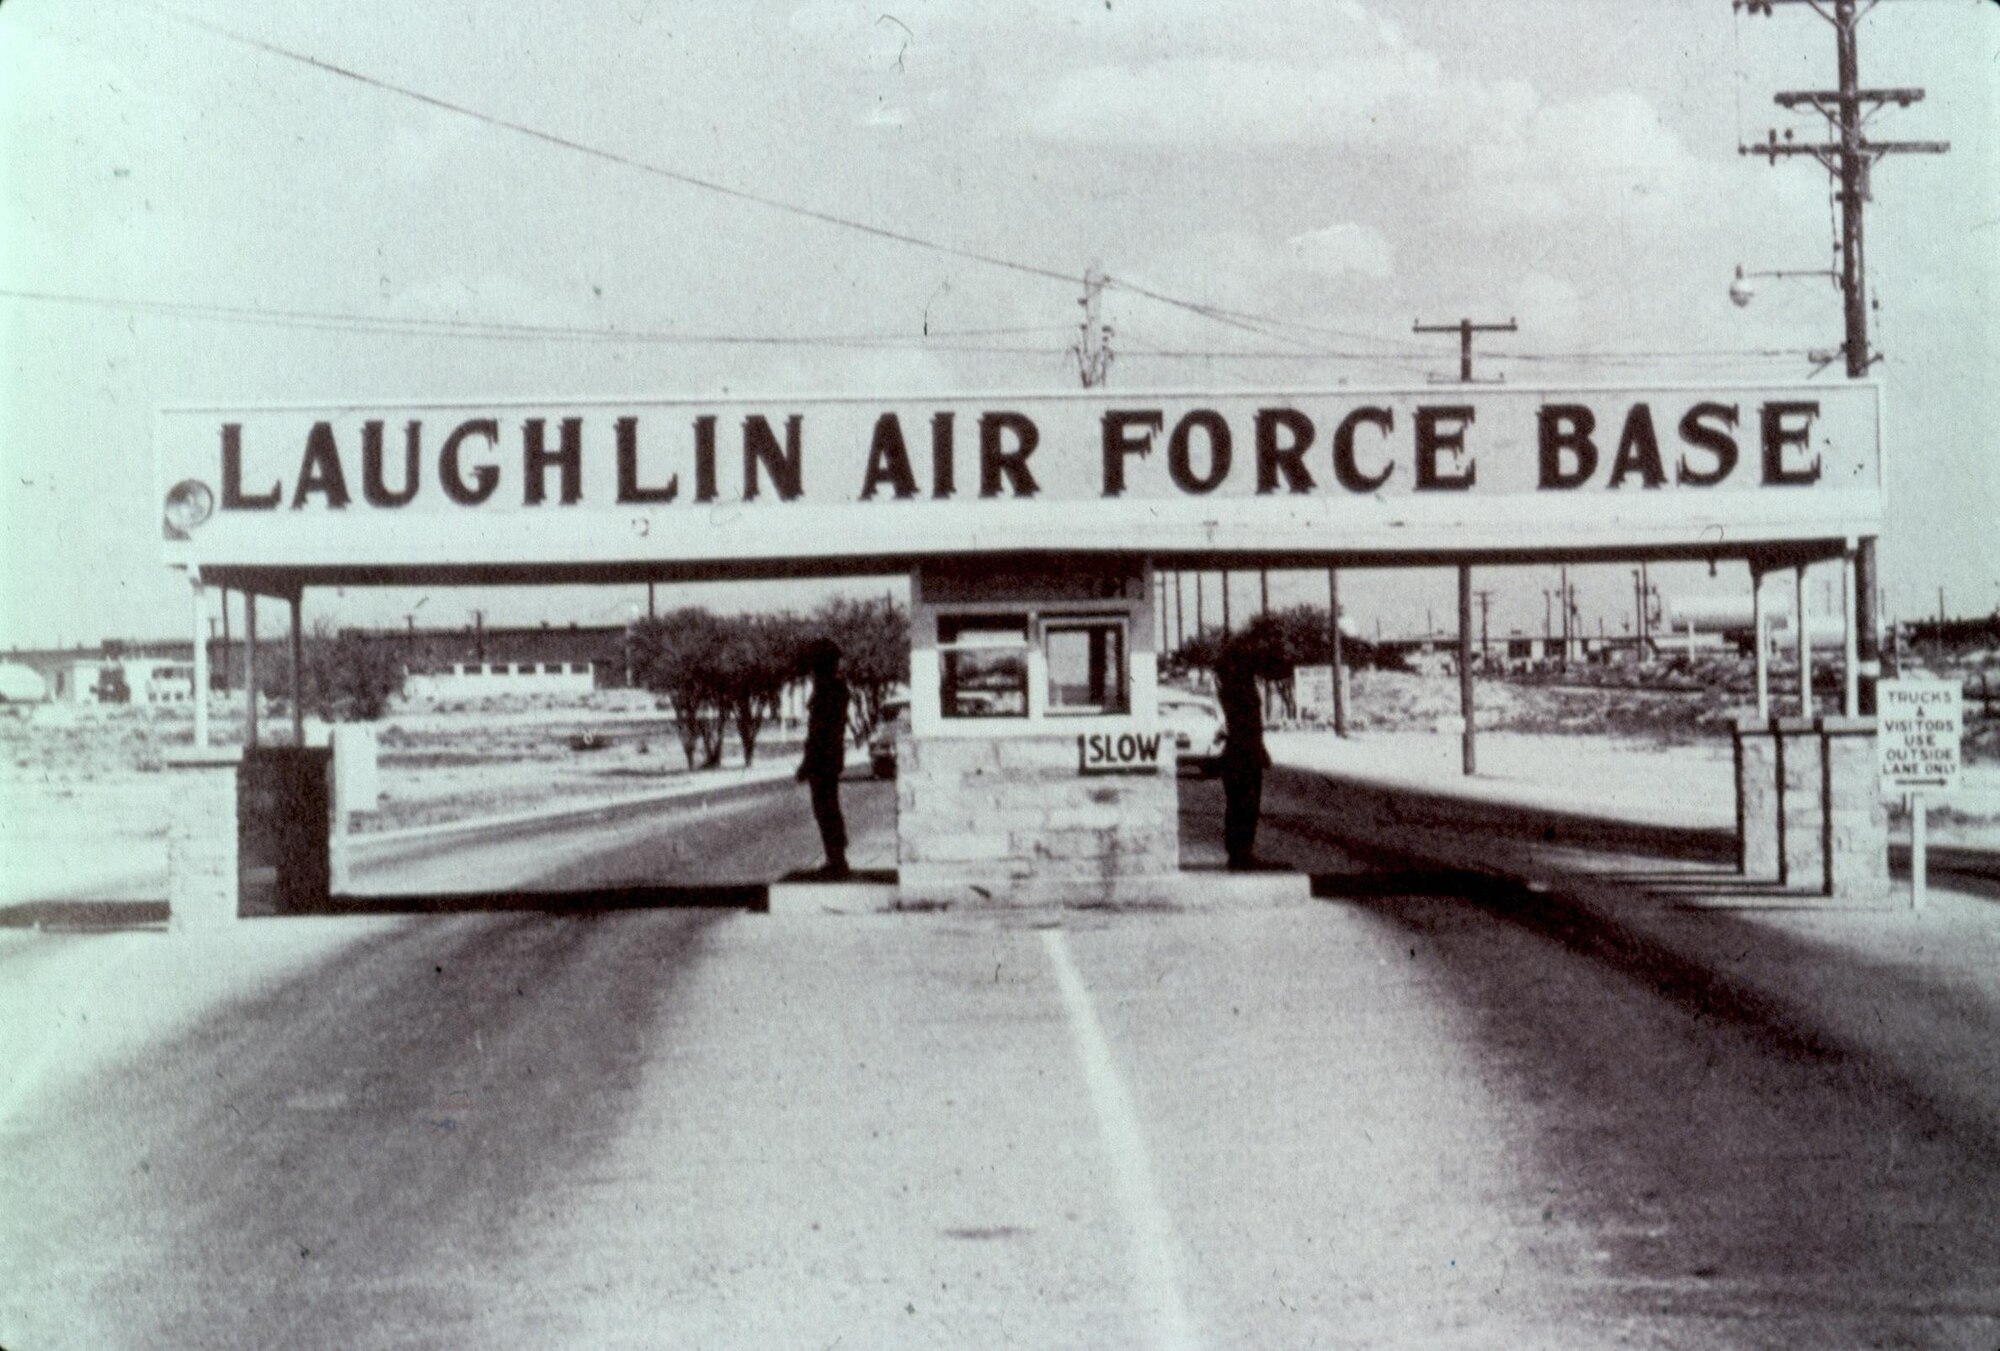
(826, 752)
(1253, 653)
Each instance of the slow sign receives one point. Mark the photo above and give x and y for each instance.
(1118, 752)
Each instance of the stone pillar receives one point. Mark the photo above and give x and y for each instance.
(1012, 820)
(202, 887)
(1856, 840)
(284, 812)
(1759, 854)
(1801, 809)
(199, 599)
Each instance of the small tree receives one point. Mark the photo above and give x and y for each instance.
(679, 657)
(347, 676)
(759, 656)
(1301, 634)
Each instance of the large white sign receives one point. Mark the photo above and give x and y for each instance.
(1312, 691)
(1919, 724)
(1437, 470)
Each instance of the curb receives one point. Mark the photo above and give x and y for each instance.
(1383, 829)
(696, 795)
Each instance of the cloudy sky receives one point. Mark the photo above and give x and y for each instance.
(189, 214)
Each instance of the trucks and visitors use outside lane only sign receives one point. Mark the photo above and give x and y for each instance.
(1919, 723)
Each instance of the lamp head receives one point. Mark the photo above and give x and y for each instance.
(189, 503)
(1740, 289)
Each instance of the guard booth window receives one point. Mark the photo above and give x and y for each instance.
(1086, 661)
(984, 661)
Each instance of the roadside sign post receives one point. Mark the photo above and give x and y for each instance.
(1919, 726)
(1919, 863)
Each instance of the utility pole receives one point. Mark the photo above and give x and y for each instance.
(1638, 615)
(1264, 591)
(479, 635)
(1485, 603)
(1465, 328)
(1333, 625)
(1564, 594)
(1645, 606)
(1849, 157)
(1093, 348)
(1468, 756)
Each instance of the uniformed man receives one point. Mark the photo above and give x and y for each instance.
(1252, 653)
(826, 751)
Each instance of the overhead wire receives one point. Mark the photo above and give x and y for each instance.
(1143, 351)
(1686, 354)
(497, 330)
(1261, 325)
(599, 152)
(938, 341)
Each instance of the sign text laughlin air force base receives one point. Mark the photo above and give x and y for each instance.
(1436, 469)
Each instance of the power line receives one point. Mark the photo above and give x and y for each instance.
(1259, 324)
(1614, 358)
(502, 331)
(940, 340)
(598, 152)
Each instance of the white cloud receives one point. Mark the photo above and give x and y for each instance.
(1603, 155)
(1547, 307)
(1200, 103)
(1350, 83)
(1345, 247)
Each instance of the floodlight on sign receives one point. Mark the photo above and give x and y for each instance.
(189, 503)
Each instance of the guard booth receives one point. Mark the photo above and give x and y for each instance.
(1035, 769)
(1031, 526)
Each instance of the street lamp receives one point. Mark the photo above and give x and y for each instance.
(1743, 292)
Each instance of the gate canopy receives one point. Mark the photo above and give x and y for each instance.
(603, 491)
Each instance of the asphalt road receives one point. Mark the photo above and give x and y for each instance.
(1465, 1118)
(742, 838)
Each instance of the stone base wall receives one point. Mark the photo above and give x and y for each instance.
(1015, 815)
(1801, 810)
(1857, 819)
(202, 859)
(283, 819)
(1759, 854)
(1810, 819)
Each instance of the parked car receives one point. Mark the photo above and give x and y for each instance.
(882, 746)
(1195, 723)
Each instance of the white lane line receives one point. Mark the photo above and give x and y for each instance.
(1154, 1268)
